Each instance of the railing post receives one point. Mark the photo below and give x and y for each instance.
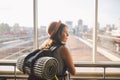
(104, 72)
(15, 71)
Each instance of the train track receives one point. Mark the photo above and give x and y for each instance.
(79, 50)
(17, 50)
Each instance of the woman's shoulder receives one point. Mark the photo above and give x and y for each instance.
(64, 50)
(63, 47)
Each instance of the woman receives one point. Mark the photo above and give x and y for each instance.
(58, 35)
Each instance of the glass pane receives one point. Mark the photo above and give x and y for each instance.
(16, 28)
(78, 16)
(109, 29)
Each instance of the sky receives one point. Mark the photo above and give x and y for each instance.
(21, 11)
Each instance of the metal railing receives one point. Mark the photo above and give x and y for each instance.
(15, 74)
(11, 72)
(99, 64)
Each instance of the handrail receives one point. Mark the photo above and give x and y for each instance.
(102, 64)
(97, 64)
(8, 62)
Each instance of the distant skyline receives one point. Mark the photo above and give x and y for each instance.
(21, 11)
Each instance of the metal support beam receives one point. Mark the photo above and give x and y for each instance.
(95, 31)
(35, 22)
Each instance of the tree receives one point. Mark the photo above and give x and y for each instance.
(4, 28)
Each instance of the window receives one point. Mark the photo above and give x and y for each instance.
(16, 28)
(109, 29)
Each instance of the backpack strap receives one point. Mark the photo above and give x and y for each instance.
(55, 45)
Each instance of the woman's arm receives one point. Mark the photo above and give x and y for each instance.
(68, 59)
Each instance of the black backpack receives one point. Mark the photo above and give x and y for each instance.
(35, 61)
(36, 54)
